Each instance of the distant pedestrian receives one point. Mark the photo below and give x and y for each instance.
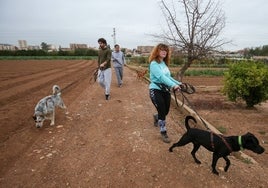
(104, 64)
(160, 86)
(118, 60)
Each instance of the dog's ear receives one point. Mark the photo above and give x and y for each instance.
(34, 117)
(251, 138)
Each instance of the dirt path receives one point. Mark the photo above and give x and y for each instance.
(103, 143)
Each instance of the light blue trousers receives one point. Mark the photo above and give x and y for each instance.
(119, 75)
(105, 79)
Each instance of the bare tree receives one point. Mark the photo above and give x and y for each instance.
(193, 26)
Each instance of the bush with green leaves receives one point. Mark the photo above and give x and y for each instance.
(248, 81)
(139, 60)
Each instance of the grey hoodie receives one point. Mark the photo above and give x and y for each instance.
(118, 59)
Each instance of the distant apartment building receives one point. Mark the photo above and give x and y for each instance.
(144, 50)
(129, 52)
(36, 47)
(74, 46)
(7, 47)
(64, 49)
(52, 47)
(22, 44)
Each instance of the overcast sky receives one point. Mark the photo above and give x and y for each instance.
(61, 22)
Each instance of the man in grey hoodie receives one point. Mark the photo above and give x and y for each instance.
(118, 64)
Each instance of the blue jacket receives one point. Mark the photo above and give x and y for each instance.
(159, 73)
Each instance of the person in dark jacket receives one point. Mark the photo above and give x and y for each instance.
(104, 64)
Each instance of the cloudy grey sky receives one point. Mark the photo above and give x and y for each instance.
(61, 22)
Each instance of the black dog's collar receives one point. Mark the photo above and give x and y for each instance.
(240, 142)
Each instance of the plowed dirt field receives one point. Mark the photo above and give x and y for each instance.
(114, 143)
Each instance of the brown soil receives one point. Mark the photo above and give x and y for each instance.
(114, 143)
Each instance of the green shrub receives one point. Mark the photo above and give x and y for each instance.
(139, 60)
(177, 60)
(247, 80)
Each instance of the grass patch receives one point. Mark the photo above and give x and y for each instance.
(190, 72)
(223, 130)
(205, 72)
(262, 132)
(247, 161)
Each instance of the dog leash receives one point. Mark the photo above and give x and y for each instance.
(185, 89)
(226, 143)
(223, 139)
(94, 76)
(189, 89)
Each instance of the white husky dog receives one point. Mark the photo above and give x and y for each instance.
(45, 108)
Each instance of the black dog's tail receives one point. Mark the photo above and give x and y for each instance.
(187, 121)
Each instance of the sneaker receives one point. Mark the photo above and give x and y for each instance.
(155, 117)
(165, 137)
(107, 97)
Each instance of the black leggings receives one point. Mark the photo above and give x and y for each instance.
(161, 101)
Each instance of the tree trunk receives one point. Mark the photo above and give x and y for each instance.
(181, 72)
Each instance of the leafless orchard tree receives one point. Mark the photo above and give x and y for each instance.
(193, 26)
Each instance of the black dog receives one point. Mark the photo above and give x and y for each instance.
(219, 145)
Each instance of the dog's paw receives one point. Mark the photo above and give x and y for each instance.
(226, 169)
(51, 124)
(215, 172)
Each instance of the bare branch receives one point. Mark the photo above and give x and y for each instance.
(197, 31)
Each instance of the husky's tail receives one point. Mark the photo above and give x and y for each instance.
(56, 89)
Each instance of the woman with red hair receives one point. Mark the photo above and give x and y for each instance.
(160, 86)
